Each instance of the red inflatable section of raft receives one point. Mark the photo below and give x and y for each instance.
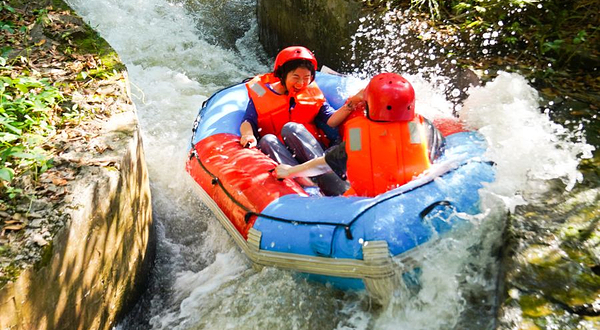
(237, 179)
(448, 126)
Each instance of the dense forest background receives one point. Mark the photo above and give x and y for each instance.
(554, 43)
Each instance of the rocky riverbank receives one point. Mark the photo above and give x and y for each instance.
(76, 240)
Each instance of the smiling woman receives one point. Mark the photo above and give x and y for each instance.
(287, 114)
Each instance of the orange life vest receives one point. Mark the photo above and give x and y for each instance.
(383, 155)
(274, 109)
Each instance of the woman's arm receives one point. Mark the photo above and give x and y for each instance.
(340, 115)
(249, 122)
(345, 110)
(247, 138)
(313, 167)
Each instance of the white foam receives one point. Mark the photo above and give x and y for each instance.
(526, 145)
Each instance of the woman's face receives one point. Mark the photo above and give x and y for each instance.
(297, 80)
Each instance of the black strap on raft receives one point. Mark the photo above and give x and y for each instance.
(430, 208)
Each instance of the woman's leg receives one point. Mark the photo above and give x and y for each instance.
(301, 143)
(304, 147)
(272, 147)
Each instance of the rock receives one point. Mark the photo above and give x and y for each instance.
(330, 28)
(37, 223)
(286, 23)
(33, 215)
(548, 267)
(39, 240)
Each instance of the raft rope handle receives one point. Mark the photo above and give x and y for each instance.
(430, 208)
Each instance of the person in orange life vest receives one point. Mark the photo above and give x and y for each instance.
(384, 146)
(287, 114)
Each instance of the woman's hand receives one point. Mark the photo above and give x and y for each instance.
(355, 100)
(282, 171)
(247, 138)
(248, 141)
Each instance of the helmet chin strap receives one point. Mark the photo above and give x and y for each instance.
(369, 116)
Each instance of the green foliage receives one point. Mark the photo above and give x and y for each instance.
(432, 5)
(564, 33)
(482, 15)
(27, 109)
(6, 25)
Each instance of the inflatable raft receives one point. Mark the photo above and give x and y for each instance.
(350, 242)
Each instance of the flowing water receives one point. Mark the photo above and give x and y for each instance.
(180, 52)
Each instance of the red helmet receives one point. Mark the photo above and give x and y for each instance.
(390, 97)
(294, 53)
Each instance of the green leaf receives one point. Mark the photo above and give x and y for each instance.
(8, 137)
(7, 174)
(580, 38)
(11, 128)
(22, 88)
(9, 8)
(552, 45)
(6, 27)
(22, 155)
(480, 9)
(473, 24)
